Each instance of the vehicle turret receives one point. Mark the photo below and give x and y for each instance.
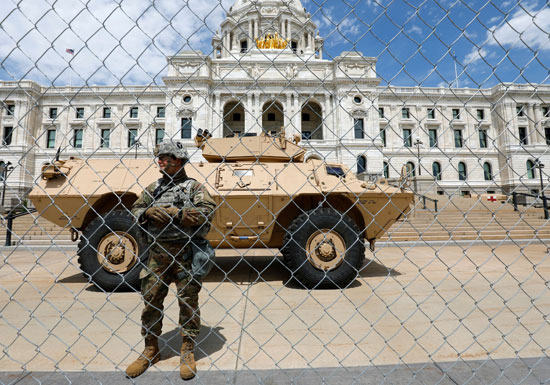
(250, 148)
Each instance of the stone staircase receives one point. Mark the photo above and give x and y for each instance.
(464, 219)
(458, 219)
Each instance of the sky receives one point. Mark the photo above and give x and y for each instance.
(436, 43)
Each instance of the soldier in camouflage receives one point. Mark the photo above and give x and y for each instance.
(175, 213)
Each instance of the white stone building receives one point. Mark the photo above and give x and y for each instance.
(477, 140)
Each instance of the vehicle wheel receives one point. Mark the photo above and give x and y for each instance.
(323, 248)
(112, 251)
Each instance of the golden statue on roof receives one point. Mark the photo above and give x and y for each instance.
(271, 41)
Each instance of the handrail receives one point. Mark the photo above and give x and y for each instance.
(10, 217)
(424, 198)
(542, 196)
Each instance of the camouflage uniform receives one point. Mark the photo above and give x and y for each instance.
(171, 252)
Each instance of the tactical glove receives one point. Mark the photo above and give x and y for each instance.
(158, 215)
(191, 217)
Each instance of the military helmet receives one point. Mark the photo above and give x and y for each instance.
(172, 147)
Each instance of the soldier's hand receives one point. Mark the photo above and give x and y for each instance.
(171, 210)
(158, 215)
(191, 217)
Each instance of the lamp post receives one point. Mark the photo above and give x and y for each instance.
(4, 170)
(418, 143)
(538, 164)
(137, 144)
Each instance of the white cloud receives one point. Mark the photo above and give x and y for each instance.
(475, 55)
(527, 28)
(415, 29)
(126, 41)
(336, 28)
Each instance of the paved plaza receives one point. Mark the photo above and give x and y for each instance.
(419, 313)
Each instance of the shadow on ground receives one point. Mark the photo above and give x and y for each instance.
(209, 341)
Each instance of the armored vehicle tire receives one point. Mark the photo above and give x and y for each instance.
(110, 251)
(323, 249)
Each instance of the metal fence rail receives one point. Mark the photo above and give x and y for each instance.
(320, 129)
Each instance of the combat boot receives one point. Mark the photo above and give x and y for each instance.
(150, 356)
(188, 367)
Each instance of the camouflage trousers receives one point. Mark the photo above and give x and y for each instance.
(167, 264)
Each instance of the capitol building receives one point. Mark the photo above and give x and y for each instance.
(266, 71)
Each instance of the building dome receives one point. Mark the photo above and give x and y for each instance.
(243, 5)
(285, 22)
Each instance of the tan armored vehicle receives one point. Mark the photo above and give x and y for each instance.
(318, 214)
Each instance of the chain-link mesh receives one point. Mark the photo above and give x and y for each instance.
(375, 171)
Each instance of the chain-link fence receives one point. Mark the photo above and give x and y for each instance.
(370, 175)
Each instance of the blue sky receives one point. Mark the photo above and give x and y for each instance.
(126, 41)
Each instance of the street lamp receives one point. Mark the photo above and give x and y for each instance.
(538, 164)
(4, 170)
(137, 144)
(418, 143)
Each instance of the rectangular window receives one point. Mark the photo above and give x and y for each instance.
(483, 138)
(547, 135)
(50, 139)
(545, 111)
(186, 124)
(523, 135)
(271, 117)
(381, 113)
(383, 136)
(431, 113)
(432, 132)
(305, 117)
(237, 116)
(105, 138)
(458, 138)
(53, 113)
(106, 112)
(161, 111)
(306, 135)
(405, 113)
(358, 128)
(133, 112)
(10, 109)
(132, 136)
(77, 137)
(520, 110)
(80, 113)
(407, 137)
(480, 114)
(159, 135)
(8, 133)
(456, 113)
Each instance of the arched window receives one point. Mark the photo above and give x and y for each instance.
(436, 170)
(312, 121)
(386, 170)
(530, 169)
(361, 164)
(233, 119)
(462, 174)
(272, 117)
(487, 171)
(411, 169)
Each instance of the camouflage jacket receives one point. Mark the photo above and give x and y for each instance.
(185, 194)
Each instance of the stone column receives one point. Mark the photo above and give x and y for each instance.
(539, 129)
(226, 47)
(532, 127)
(297, 112)
(255, 28)
(248, 114)
(250, 37)
(327, 127)
(289, 31)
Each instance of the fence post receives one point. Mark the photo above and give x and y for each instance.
(9, 229)
(515, 200)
